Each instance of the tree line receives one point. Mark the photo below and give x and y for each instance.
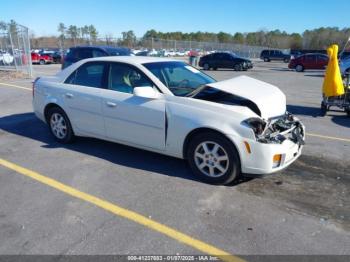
(319, 38)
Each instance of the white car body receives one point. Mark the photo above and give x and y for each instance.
(162, 124)
(180, 53)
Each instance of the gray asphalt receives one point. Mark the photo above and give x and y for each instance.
(302, 210)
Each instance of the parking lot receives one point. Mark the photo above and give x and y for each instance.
(143, 196)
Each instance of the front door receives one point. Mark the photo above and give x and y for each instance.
(134, 120)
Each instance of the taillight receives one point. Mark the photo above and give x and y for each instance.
(33, 87)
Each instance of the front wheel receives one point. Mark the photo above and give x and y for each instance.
(213, 158)
(42, 62)
(348, 112)
(299, 68)
(238, 67)
(60, 126)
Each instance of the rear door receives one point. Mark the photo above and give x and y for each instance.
(134, 120)
(310, 62)
(227, 61)
(82, 97)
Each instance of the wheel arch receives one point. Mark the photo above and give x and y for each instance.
(200, 130)
(47, 109)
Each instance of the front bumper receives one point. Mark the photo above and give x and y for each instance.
(260, 159)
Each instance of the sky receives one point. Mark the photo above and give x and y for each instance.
(116, 16)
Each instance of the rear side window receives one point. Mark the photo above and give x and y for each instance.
(310, 58)
(85, 53)
(98, 53)
(72, 53)
(89, 74)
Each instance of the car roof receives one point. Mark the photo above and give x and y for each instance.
(99, 46)
(314, 54)
(132, 59)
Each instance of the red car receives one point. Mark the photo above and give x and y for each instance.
(41, 59)
(308, 61)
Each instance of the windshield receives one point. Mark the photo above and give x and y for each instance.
(180, 78)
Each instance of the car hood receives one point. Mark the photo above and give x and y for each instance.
(270, 100)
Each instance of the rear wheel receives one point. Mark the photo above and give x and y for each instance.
(206, 66)
(213, 158)
(266, 59)
(42, 62)
(286, 60)
(299, 68)
(60, 125)
(323, 109)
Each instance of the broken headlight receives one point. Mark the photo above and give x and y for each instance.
(257, 124)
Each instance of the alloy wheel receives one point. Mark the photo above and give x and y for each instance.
(211, 159)
(58, 125)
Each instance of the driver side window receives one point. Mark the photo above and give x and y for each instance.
(124, 78)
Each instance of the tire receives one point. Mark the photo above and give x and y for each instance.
(348, 112)
(42, 62)
(198, 156)
(266, 59)
(299, 68)
(286, 60)
(238, 67)
(215, 68)
(323, 109)
(60, 129)
(206, 66)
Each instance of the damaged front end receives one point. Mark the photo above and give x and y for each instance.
(277, 130)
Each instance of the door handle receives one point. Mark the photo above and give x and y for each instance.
(111, 104)
(69, 95)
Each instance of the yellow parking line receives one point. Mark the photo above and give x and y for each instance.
(21, 87)
(329, 137)
(122, 212)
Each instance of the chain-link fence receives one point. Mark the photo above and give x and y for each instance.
(158, 45)
(15, 49)
(239, 49)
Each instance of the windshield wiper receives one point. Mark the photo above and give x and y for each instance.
(196, 91)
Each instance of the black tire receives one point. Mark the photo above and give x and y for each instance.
(323, 109)
(286, 60)
(206, 66)
(215, 68)
(233, 164)
(69, 136)
(348, 112)
(238, 67)
(299, 68)
(42, 62)
(266, 59)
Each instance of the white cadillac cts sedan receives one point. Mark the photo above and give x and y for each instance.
(222, 128)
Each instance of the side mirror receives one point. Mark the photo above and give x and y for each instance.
(146, 92)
